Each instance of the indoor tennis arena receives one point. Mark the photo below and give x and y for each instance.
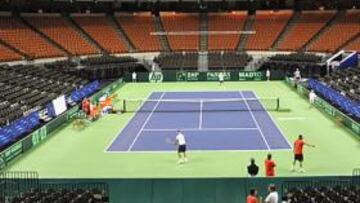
(179, 101)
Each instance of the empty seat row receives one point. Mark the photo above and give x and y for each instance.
(340, 32)
(226, 29)
(268, 25)
(18, 35)
(306, 26)
(184, 30)
(140, 30)
(62, 32)
(102, 31)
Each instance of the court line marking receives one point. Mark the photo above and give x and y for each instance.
(197, 129)
(146, 121)
(128, 121)
(199, 151)
(291, 118)
(276, 125)
(254, 119)
(196, 151)
(201, 114)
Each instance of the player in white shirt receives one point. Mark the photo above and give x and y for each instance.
(312, 97)
(221, 78)
(134, 76)
(181, 143)
(268, 74)
(273, 196)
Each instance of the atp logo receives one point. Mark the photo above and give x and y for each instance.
(156, 77)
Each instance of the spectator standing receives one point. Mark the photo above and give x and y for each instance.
(134, 76)
(273, 196)
(269, 166)
(312, 97)
(297, 75)
(252, 197)
(268, 74)
(221, 78)
(252, 169)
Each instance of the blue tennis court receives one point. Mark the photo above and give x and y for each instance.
(224, 120)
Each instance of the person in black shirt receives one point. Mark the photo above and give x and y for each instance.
(252, 169)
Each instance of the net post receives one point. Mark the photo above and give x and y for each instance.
(277, 104)
(124, 106)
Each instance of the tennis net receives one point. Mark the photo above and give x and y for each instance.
(204, 105)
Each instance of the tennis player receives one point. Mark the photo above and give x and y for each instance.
(221, 78)
(298, 153)
(181, 143)
(312, 97)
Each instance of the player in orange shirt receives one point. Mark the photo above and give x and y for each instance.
(298, 152)
(252, 197)
(269, 166)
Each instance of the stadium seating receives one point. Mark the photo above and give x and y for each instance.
(339, 99)
(178, 61)
(62, 195)
(308, 25)
(184, 24)
(25, 89)
(268, 26)
(100, 29)
(228, 61)
(281, 64)
(183, 33)
(342, 30)
(62, 32)
(109, 67)
(189, 61)
(345, 81)
(225, 22)
(338, 194)
(8, 54)
(18, 35)
(354, 45)
(297, 57)
(139, 28)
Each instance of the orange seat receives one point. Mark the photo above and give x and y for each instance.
(225, 22)
(100, 29)
(268, 26)
(8, 54)
(340, 32)
(139, 28)
(62, 32)
(26, 40)
(308, 24)
(183, 24)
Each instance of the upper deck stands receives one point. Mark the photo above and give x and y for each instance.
(307, 26)
(62, 32)
(102, 31)
(225, 22)
(183, 26)
(268, 26)
(140, 29)
(20, 36)
(341, 31)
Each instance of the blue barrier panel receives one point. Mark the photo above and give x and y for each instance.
(347, 105)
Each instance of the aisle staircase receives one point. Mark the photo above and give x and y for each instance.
(165, 47)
